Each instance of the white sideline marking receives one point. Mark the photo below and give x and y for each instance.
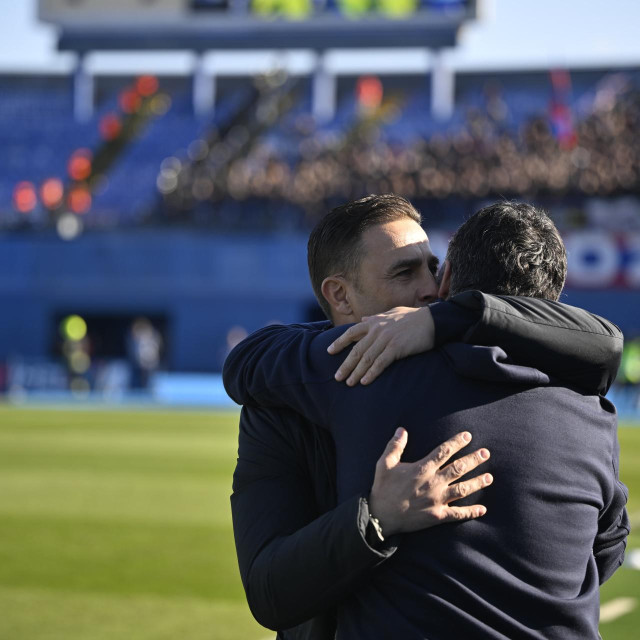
(616, 608)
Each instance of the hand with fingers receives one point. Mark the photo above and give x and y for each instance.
(382, 339)
(412, 496)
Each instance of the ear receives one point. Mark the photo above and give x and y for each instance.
(445, 283)
(334, 289)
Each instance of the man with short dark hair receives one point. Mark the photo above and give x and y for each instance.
(299, 553)
(348, 253)
(555, 527)
(508, 248)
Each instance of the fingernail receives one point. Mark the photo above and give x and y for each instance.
(365, 378)
(484, 454)
(338, 375)
(398, 433)
(481, 511)
(488, 478)
(330, 348)
(466, 436)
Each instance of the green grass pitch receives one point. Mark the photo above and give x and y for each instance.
(116, 525)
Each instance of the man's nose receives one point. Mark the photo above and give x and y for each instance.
(427, 289)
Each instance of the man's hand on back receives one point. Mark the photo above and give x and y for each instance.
(382, 339)
(412, 496)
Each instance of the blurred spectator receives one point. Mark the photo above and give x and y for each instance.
(144, 346)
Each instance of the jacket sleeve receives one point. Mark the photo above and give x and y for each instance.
(565, 342)
(613, 525)
(273, 365)
(294, 565)
(286, 366)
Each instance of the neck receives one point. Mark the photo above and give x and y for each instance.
(340, 320)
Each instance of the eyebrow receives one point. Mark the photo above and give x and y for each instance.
(405, 263)
(412, 263)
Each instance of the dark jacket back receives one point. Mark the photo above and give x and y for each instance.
(531, 567)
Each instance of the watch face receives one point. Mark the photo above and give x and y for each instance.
(374, 531)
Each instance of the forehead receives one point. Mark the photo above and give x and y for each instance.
(390, 240)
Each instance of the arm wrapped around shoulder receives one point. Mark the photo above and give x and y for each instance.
(568, 343)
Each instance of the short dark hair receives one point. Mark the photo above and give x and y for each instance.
(335, 244)
(508, 248)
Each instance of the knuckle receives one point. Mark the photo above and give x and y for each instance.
(391, 447)
(367, 359)
(444, 515)
(444, 451)
(459, 466)
(428, 485)
(425, 469)
(462, 489)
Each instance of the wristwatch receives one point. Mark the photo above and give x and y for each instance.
(373, 533)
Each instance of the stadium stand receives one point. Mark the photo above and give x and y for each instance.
(188, 217)
(561, 137)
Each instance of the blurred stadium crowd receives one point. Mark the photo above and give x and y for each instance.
(262, 162)
(490, 154)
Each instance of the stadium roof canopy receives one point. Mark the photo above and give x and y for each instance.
(202, 25)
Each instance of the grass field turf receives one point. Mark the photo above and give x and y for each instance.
(116, 525)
